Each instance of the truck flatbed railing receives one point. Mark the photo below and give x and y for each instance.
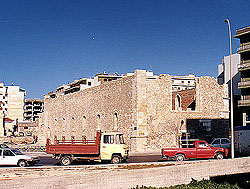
(70, 142)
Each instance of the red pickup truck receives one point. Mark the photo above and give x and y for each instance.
(200, 149)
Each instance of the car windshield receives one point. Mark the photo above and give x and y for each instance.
(16, 152)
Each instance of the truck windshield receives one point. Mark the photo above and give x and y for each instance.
(16, 152)
(119, 139)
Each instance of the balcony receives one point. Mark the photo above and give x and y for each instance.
(243, 30)
(244, 83)
(244, 65)
(245, 101)
(243, 47)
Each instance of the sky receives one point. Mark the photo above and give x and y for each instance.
(44, 44)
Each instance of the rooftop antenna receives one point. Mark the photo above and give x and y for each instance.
(77, 76)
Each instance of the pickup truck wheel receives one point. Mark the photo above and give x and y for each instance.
(66, 160)
(219, 156)
(116, 159)
(22, 163)
(179, 157)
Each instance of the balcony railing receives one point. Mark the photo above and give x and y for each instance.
(245, 65)
(243, 30)
(245, 83)
(245, 101)
(243, 47)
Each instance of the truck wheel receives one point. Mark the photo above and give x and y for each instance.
(66, 160)
(22, 163)
(219, 156)
(116, 159)
(180, 157)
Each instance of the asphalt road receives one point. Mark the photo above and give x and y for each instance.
(48, 161)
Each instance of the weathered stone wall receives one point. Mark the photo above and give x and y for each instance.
(107, 107)
(139, 106)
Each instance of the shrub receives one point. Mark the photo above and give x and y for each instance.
(194, 184)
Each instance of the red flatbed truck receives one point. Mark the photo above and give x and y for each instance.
(106, 146)
(200, 149)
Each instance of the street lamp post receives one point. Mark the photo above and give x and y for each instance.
(231, 96)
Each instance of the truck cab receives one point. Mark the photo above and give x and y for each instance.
(113, 147)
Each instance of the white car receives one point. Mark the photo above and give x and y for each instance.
(10, 156)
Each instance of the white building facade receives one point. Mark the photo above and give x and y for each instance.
(11, 103)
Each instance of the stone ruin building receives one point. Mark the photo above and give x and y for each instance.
(142, 106)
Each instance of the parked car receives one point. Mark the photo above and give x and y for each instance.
(221, 143)
(10, 156)
(199, 150)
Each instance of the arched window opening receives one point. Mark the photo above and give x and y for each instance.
(115, 121)
(178, 101)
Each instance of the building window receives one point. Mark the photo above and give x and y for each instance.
(89, 83)
(207, 124)
(115, 121)
(177, 102)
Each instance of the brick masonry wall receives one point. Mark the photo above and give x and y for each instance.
(138, 106)
(186, 96)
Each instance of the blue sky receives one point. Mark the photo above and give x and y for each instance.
(44, 44)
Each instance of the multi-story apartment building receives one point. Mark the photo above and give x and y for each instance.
(32, 108)
(179, 82)
(244, 50)
(12, 102)
(84, 83)
(183, 82)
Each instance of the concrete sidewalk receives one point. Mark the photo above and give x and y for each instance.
(120, 176)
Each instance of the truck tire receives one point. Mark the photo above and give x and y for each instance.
(219, 155)
(66, 160)
(179, 157)
(116, 159)
(22, 163)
